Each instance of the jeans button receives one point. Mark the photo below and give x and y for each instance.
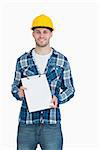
(41, 120)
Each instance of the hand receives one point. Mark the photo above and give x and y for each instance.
(54, 102)
(21, 91)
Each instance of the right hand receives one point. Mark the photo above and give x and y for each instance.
(21, 91)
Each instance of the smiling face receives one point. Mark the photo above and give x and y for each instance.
(42, 36)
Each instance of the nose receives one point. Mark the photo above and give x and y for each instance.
(41, 35)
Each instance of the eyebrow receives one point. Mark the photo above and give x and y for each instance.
(41, 30)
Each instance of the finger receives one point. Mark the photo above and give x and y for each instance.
(54, 104)
(54, 100)
(21, 93)
(23, 88)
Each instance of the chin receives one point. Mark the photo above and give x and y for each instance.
(42, 45)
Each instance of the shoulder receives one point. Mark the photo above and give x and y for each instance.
(23, 56)
(61, 58)
(24, 59)
(60, 55)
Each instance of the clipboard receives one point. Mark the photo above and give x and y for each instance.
(37, 93)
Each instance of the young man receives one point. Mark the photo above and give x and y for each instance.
(42, 127)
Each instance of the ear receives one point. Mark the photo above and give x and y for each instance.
(33, 33)
(51, 34)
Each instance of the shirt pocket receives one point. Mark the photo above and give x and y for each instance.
(29, 71)
(54, 74)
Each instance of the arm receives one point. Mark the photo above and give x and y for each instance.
(17, 82)
(67, 85)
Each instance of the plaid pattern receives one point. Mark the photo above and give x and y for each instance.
(59, 77)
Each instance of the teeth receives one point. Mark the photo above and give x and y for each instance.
(41, 40)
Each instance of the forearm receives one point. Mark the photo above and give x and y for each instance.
(67, 85)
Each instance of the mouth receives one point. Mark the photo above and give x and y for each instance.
(42, 40)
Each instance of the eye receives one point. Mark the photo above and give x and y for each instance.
(45, 32)
(37, 32)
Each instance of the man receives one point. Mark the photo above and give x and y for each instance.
(42, 127)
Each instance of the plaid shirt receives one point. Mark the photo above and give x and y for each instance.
(59, 77)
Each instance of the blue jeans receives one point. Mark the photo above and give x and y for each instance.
(49, 137)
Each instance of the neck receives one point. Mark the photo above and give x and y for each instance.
(43, 50)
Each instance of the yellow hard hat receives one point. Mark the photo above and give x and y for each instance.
(42, 21)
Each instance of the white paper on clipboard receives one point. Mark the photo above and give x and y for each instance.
(38, 94)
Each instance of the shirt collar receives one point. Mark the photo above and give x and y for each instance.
(54, 53)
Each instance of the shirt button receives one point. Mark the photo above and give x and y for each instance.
(41, 112)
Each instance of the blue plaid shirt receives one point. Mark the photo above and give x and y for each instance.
(59, 77)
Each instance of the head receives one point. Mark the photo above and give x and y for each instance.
(42, 27)
(42, 36)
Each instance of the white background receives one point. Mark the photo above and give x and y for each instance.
(76, 36)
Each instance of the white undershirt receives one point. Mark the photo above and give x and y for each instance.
(41, 60)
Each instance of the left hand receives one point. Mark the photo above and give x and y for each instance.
(54, 102)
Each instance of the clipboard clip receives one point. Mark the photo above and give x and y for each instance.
(27, 77)
(41, 74)
(38, 75)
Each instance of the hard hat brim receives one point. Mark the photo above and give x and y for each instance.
(42, 27)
